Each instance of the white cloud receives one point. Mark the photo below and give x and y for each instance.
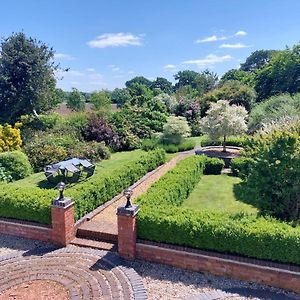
(63, 56)
(169, 67)
(115, 69)
(240, 33)
(212, 38)
(116, 40)
(234, 46)
(209, 60)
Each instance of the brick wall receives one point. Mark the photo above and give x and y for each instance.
(285, 279)
(26, 230)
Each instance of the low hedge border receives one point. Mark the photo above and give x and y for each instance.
(34, 204)
(161, 219)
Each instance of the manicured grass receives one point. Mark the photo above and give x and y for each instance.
(117, 159)
(215, 192)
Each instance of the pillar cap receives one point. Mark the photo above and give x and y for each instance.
(64, 203)
(128, 211)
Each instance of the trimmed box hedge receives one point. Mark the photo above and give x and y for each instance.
(34, 204)
(161, 219)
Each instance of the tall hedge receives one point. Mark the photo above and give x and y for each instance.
(161, 219)
(34, 204)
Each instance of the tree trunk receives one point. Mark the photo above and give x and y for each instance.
(224, 144)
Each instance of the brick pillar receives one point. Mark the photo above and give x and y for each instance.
(127, 231)
(62, 216)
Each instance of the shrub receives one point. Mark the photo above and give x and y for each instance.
(92, 150)
(150, 144)
(100, 130)
(41, 154)
(237, 141)
(175, 130)
(33, 204)
(213, 165)
(10, 137)
(16, 165)
(184, 146)
(240, 166)
(274, 179)
(4, 177)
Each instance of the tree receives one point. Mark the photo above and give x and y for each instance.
(163, 85)
(169, 101)
(138, 80)
(76, 100)
(224, 119)
(201, 82)
(120, 96)
(175, 130)
(257, 60)
(140, 94)
(101, 100)
(243, 77)
(234, 92)
(280, 75)
(27, 81)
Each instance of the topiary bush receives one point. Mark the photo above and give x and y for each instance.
(213, 165)
(15, 164)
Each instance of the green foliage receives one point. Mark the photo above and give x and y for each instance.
(120, 96)
(280, 75)
(237, 141)
(213, 165)
(76, 101)
(273, 109)
(161, 219)
(257, 60)
(233, 91)
(101, 100)
(247, 78)
(138, 80)
(41, 153)
(240, 166)
(175, 130)
(15, 164)
(274, 179)
(27, 82)
(10, 137)
(184, 146)
(4, 177)
(162, 85)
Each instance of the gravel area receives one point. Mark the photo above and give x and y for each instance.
(166, 282)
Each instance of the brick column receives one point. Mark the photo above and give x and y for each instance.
(127, 231)
(62, 216)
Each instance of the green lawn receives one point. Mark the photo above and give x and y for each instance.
(117, 159)
(215, 192)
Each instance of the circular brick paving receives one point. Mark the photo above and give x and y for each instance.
(84, 273)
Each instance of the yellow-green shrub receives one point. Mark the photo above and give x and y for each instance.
(10, 137)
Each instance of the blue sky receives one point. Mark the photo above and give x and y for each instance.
(105, 43)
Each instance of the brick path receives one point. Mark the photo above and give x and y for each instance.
(85, 273)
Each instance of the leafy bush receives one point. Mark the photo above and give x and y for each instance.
(237, 141)
(4, 177)
(161, 219)
(33, 204)
(274, 179)
(240, 166)
(92, 150)
(184, 146)
(15, 164)
(150, 144)
(175, 130)
(10, 137)
(100, 130)
(213, 165)
(42, 154)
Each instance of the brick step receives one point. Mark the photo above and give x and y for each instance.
(89, 231)
(94, 244)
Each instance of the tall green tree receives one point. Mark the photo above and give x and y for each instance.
(163, 84)
(27, 77)
(120, 96)
(76, 101)
(101, 100)
(138, 80)
(257, 60)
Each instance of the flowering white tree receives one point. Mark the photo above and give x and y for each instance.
(175, 130)
(223, 119)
